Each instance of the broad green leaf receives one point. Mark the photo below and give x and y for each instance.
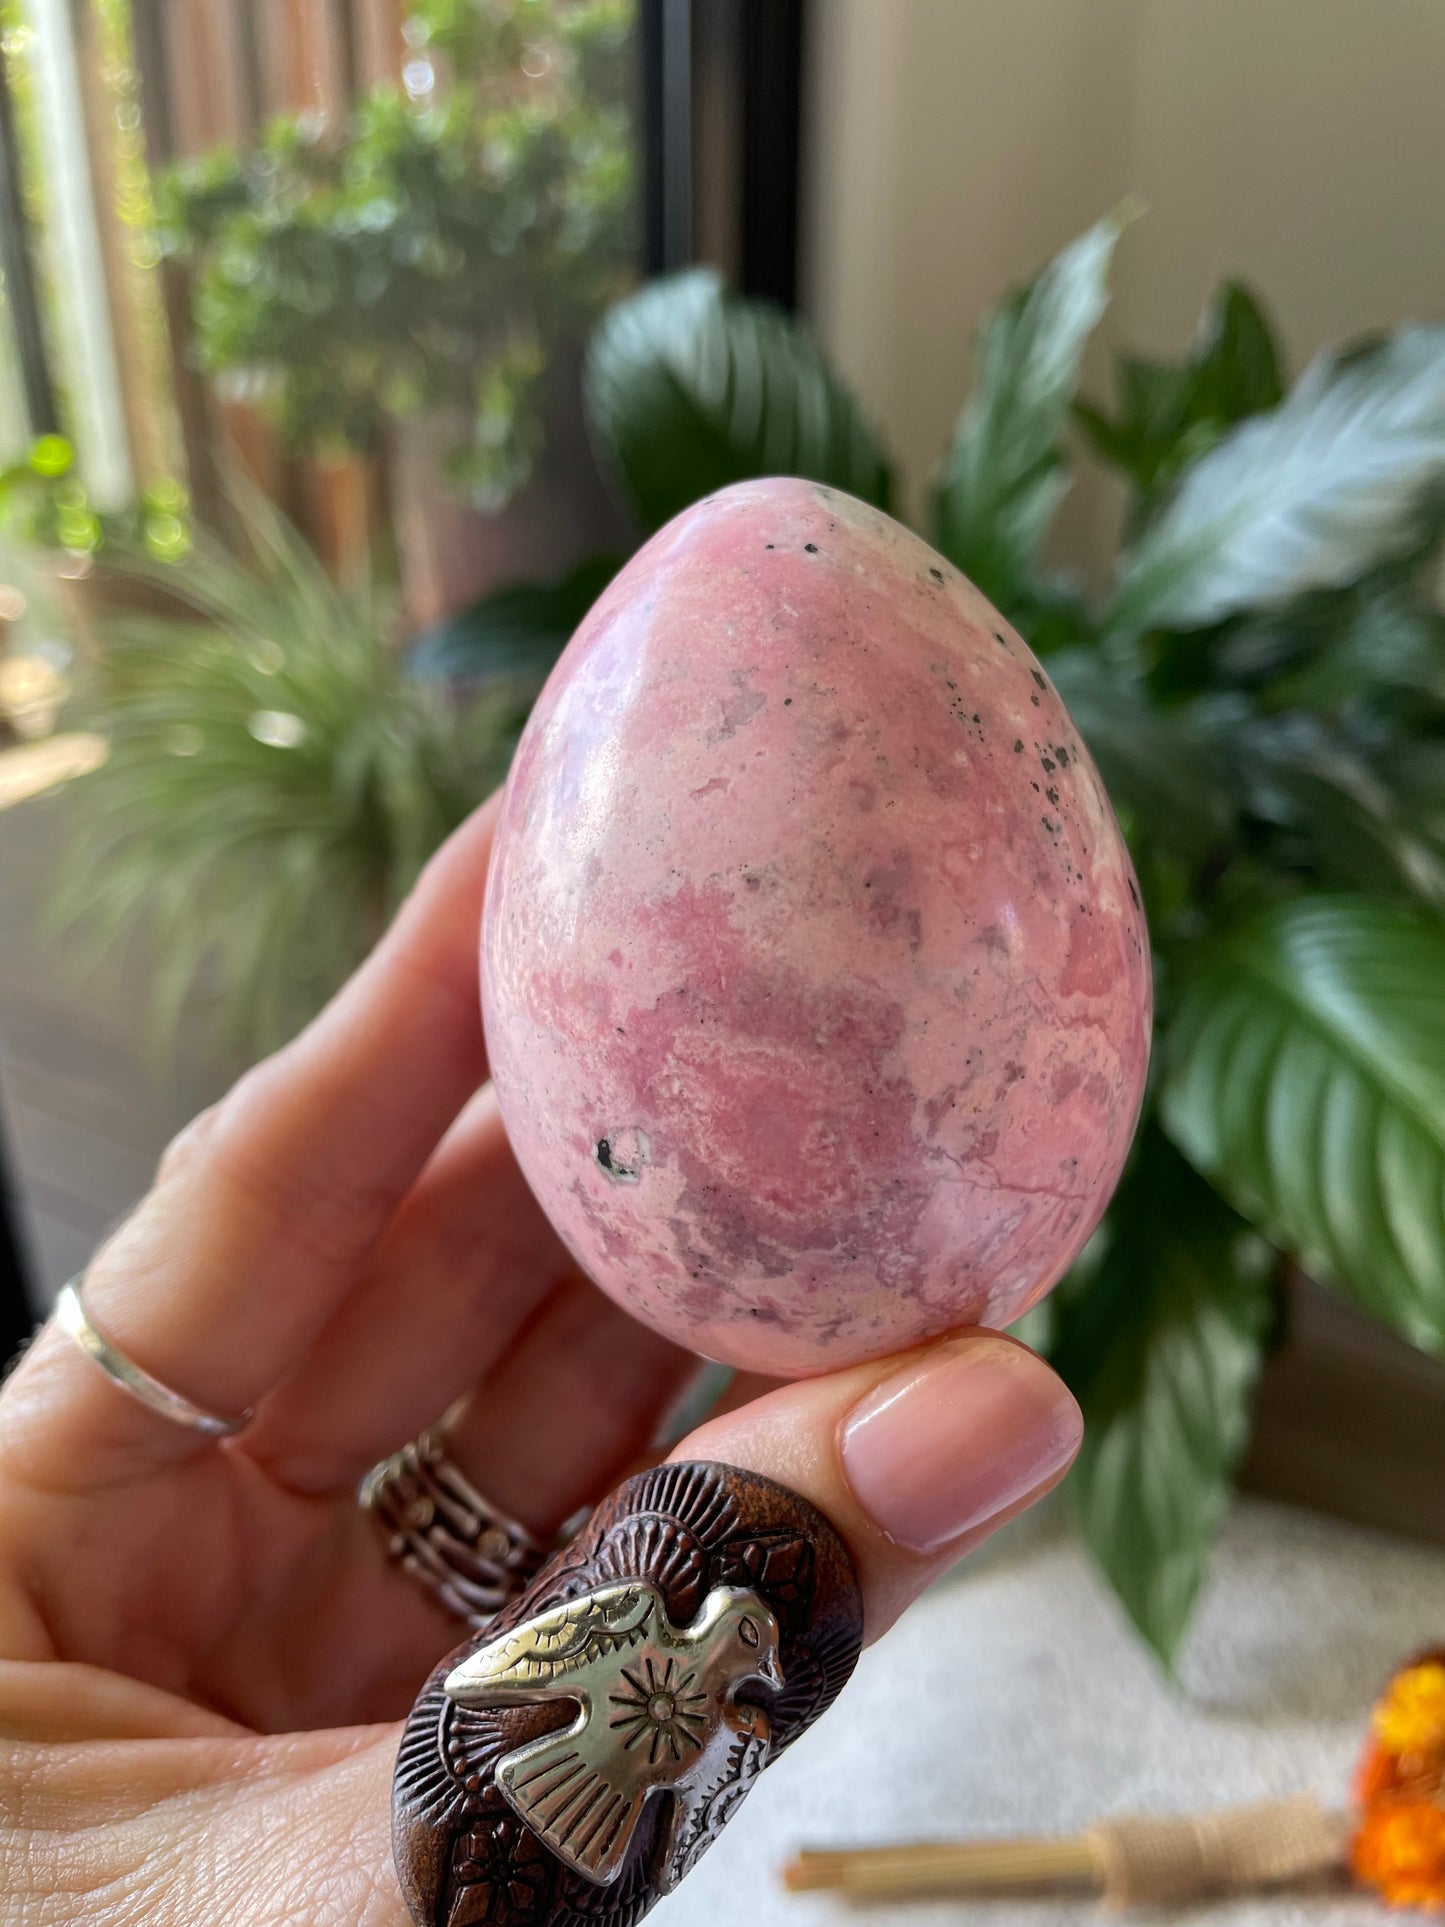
(1240, 358)
(1052, 614)
(689, 388)
(1004, 474)
(1304, 1073)
(1162, 421)
(1335, 648)
(1309, 496)
(1335, 817)
(1162, 1349)
(1382, 642)
(1417, 776)
(518, 631)
(1170, 413)
(1165, 774)
(1112, 441)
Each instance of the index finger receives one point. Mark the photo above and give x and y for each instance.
(266, 1206)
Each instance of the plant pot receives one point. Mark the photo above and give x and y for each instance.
(1350, 1419)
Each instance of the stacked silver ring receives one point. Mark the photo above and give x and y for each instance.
(441, 1530)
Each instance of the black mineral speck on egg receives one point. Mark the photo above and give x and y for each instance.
(622, 1154)
(937, 574)
(1040, 678)
(1019, 747)
(810, 548)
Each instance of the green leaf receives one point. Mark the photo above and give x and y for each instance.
(1170, 413)
(1164, 420)
(1153, 765)
(1112, 441)
(1339, 647)
(1309, 496)
(1004, 475)
(1052, 614)
(1162, 1349)
(517, 631)
(1417, 778)
(689, 388)
(1240, 359)
(1305, 1074)
(1334, 815)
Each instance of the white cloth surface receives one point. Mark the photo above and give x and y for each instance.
(1014, 1699)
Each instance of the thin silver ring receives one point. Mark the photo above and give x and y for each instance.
(465, 1551)
(76, 1322)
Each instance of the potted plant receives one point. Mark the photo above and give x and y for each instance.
(1263, 687)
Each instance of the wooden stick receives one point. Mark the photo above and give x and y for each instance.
(1132, 1862)
(950, 1867)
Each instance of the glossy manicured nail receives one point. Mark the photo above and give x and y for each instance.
(956, 1438)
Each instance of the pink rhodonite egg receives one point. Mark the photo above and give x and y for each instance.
(815, 978)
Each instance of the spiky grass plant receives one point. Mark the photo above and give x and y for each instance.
(275, 779)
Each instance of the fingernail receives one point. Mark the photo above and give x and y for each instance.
(957, 1438)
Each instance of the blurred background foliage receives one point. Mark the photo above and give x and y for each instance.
(275, 779)
(45, 505)
(465, 225)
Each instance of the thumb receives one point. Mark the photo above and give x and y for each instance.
(914, 1459)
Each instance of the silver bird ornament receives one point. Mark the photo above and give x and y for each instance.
(657, 1712)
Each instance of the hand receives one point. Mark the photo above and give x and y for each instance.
(202, 1644)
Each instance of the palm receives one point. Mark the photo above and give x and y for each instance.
(224, 1586)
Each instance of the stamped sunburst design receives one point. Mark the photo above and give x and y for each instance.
(661, 1707)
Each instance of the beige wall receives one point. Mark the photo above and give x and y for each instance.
(954, 143)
